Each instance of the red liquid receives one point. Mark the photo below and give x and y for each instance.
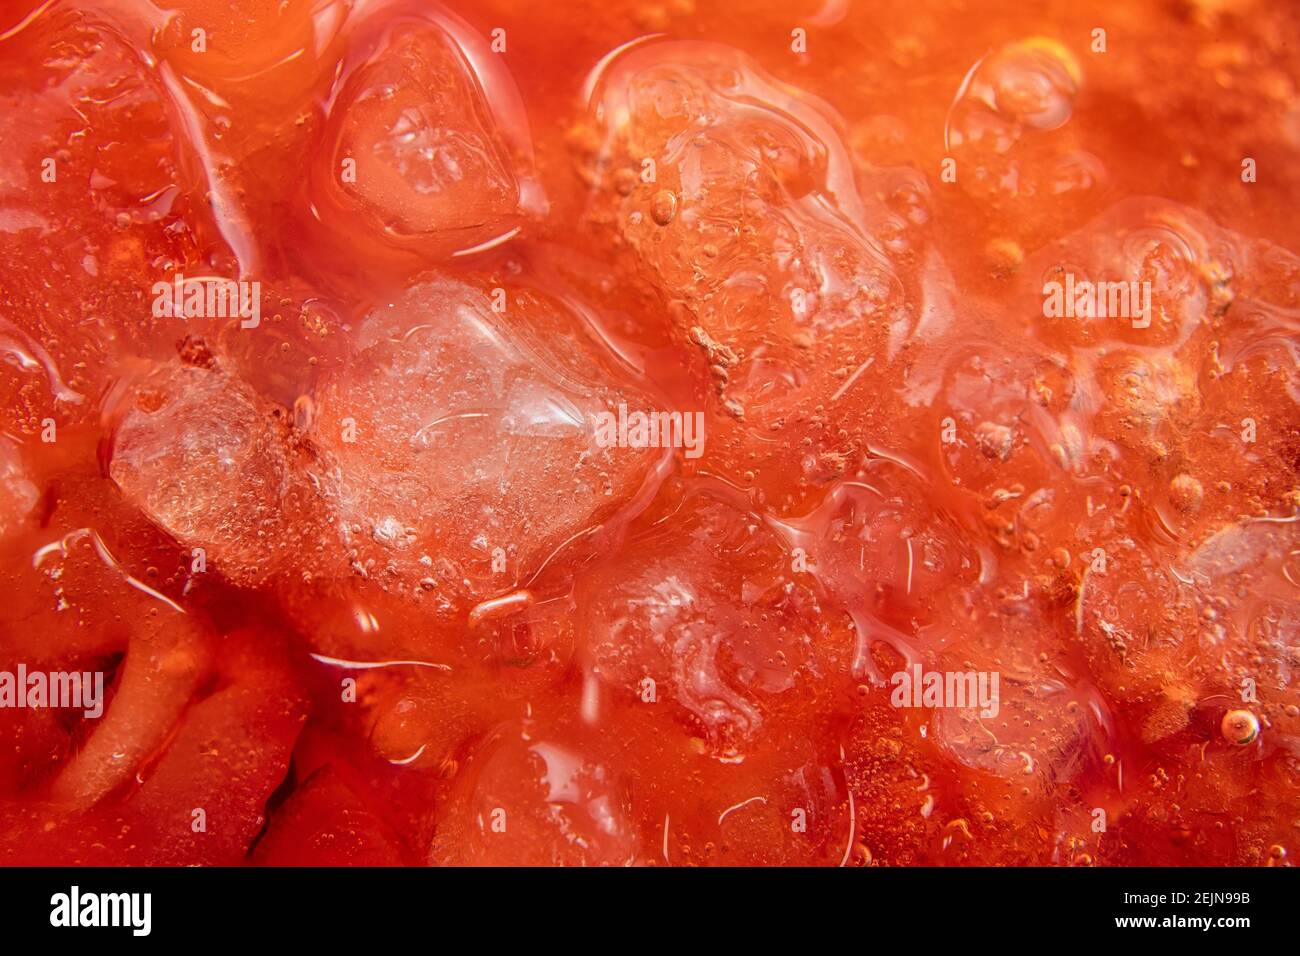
(365, 581)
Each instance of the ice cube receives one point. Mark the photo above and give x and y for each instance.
(202, 456)
(785, 803)
(528, 797)
(1140, 273)
(1034, 81)
(711, 613)
(1041, 736)
(18, 494)
(885, 554)
(1245, 577)
(98, 203)
(997, 412)
(262, 55)
(734, 198)
(424, 141)
(1135, 620)
(1147, 403)
(1007, 133)
(459, 447)
(737, 196)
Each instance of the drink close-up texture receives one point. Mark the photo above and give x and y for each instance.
(659, 433)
